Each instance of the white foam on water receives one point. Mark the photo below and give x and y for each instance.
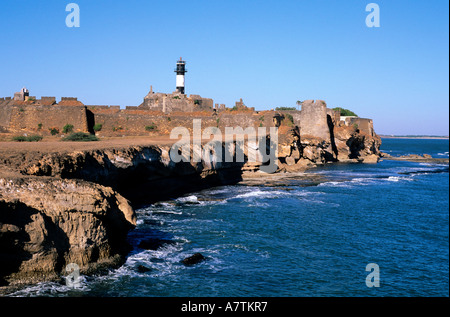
(52, 289)
(191, 199)
(335, 184)
(262, 194)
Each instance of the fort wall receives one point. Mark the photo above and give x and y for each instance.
(362, 124)
(42, 118)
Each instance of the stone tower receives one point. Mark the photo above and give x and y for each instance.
(22, 94)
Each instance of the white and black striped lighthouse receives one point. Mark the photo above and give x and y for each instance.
(180, 70)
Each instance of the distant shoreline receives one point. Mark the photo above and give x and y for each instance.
(413, 137)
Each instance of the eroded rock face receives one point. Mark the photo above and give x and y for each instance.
(128, 170)
(298, 151)
(46, 224)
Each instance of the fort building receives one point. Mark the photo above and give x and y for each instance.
(160, 112)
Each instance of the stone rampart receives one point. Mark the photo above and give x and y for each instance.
(42, 118)
(313, 119)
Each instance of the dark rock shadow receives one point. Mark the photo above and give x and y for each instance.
(14, 216)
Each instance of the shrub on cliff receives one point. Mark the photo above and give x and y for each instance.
(290, 120)
(68, 128)
(53, 131)
(345, 112)
(31, 138)
(80, 137)
(150, 127)
(98, 127)
(285, 108)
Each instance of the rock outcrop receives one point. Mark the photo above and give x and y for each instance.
(342, 143)
(46, 223)
(129, 169)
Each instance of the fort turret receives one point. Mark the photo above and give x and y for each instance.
(22, 95)
(180, 70)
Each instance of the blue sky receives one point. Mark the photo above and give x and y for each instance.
(270, 53)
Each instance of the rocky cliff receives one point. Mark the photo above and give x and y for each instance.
(46, 223)
(76, 206)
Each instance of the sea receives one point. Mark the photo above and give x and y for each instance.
(352, 230)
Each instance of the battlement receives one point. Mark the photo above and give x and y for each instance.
(47, 100)
(70, 101)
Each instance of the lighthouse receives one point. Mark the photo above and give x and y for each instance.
(180, 70)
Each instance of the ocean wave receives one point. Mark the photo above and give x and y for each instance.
(171, 212)
(261, 194)
(189, 199)
(365, 181)
(398, 178)
(53, 289)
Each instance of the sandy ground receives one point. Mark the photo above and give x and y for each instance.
(56, 145)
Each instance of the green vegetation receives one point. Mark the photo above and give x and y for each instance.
(261, 118)
(285, 108)
(196, 102)
(119, 128)
(68, 128)
(53, 131)
(39, 126)
(169, 119)
(150, 127)
(97, 127)
(81, 137)
(31, 138)
(345, 112)
(290, 118)
(176, 97)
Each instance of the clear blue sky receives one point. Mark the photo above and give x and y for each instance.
(270, 53)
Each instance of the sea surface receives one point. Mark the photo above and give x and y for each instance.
(305, 238)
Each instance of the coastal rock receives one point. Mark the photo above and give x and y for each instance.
(290, 160)
(154, 244)
(128, 169)
(351, 144)
(143, 269)
(193, 259)
(302, 162)
(45, 224)
(425, 158)
(373, 158)
(314, 149)
(284, 150)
